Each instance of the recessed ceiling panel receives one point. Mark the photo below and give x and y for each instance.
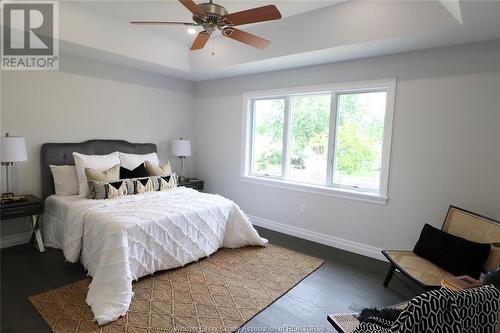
(172, 10)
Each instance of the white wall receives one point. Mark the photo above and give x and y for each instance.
(85, 100)
(445, 146)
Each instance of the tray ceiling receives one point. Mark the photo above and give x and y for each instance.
(310, 32)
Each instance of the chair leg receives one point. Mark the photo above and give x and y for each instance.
(389, 275)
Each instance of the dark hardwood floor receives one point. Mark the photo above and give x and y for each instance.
(346, 282)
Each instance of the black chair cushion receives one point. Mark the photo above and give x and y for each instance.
(457, 255)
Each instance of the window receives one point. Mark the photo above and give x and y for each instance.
(309, 122)
(268, 119)
(359, 139)
(331, 139)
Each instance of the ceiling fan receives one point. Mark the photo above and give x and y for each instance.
(212, 17)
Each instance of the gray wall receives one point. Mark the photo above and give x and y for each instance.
(87, 99)
(445, 145)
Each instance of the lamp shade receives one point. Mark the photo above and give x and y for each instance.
(13, 149)
(181, 148)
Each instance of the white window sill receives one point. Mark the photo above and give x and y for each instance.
(317, 189)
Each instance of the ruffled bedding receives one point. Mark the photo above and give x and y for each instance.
(120, 240)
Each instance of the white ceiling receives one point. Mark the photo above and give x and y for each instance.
(171, 10)
(310, 32)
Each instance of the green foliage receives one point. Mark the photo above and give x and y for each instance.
(348, 105)
(310, 122)
(358, 132)
(270, 126)
(270, 157)
(354, 151)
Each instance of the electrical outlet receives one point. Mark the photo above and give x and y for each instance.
(302, 208)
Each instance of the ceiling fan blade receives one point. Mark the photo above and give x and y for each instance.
(193, 7)
(259, 14)
(162, 22)
(245, 37)
(200, 40)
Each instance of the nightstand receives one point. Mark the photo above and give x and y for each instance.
(193, 183)
(32, 207)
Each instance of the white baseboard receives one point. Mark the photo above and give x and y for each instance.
(15, 239)
(340, 243)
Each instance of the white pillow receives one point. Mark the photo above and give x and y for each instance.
(132, 161)
(96, 162)
(65, 179)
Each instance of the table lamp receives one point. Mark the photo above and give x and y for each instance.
(181, 148)
(13, 149)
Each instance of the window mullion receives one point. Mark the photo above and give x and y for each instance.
(331, 141)
(252, 136)
(285, 162)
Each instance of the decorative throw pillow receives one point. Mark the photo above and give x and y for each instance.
(154, 170)
(116, 189)
(143, 185)
(96, 162)
(97, 189)
(132, 161)
(457, 255)
(65, 179)
(138, 172)
(108, 175)
(168, 183)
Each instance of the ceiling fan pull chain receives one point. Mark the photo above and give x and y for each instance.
(213, 47)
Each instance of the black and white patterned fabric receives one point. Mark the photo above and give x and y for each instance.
(147, 184)
(469, 310)
(97, 189)
(116, 189)
(479, 309)
(167, 183)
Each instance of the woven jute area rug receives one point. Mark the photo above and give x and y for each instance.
(217, 294)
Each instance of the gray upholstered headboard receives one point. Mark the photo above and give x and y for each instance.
(62, 154)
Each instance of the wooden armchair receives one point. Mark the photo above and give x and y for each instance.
(458, 222)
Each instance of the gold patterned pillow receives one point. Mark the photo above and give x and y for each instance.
(154, 170)
(143, 185)
(168, 183)
(110, 175)
(116, 189)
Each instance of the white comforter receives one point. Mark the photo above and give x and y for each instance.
(123, 239)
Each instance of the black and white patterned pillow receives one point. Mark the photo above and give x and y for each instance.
(167, 183)
(99, 190)
(445, 311)
(146, 184)
(116, 189)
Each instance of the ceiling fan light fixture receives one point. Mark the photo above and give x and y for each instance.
(211, 17)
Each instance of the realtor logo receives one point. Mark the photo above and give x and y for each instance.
(30, 36)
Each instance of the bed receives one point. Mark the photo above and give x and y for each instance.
(120, 240)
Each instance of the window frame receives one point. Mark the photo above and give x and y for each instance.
(328, 187)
